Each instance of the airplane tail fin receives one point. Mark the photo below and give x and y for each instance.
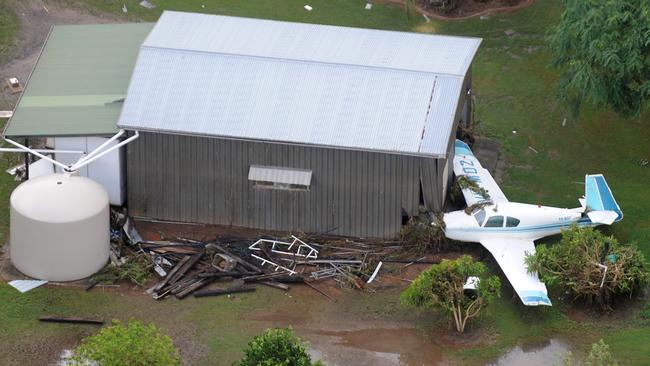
(599, 201)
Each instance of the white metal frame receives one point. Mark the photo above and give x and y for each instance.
(83, 160)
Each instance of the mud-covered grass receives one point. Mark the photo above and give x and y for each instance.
(9, 24)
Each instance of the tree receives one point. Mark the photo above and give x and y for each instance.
(276, 347)
(603, 48)
(133, 344)
(591, 266)
(441, 287)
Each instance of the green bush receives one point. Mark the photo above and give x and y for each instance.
(598, 356)
(591, 266)
(441, 287)
(276, 347)
(133, 344)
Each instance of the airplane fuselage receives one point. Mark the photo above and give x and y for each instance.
(511, 220)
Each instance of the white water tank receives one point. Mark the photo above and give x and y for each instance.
(59, 227)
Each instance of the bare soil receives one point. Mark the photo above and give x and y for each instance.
(466, 8)
(36, 19)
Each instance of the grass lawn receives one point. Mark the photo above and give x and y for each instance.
(514, 89)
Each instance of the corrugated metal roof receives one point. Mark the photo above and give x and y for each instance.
(79, 81)
(279, 175)
(313, 43)
(298, 83)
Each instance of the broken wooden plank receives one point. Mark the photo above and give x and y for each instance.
(186, 267)
(193, 287)
(233, 274)
(220, 292)
(70, 319)
(275, 284)
(171, 274)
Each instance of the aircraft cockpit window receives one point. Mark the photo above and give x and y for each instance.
(494, 221)
(480, 216)
(512, 222)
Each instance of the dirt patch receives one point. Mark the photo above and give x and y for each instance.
(465, 9)
(36, 18)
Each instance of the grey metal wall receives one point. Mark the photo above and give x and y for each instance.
(353, 193)
(205, 180)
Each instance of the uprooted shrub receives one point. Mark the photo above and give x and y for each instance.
(591, 266)
(276, 347)
(133, 344)
(420, 235)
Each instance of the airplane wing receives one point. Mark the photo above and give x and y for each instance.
(466, 164)
(510, 254)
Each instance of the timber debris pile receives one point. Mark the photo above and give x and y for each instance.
(228, 265)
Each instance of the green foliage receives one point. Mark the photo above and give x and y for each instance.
(598, 356)
(441, 287)
(576, 265)
(135, 344)
(421, 236)
(276, 347)
(137, 270)
(603, 48)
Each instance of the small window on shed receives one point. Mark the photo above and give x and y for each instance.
(279, 177)
(512, 222)
(494, 221)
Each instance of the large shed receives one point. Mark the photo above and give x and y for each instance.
(290, 126)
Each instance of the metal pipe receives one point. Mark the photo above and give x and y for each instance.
(101, 147)
(83, 163)
(34, 152)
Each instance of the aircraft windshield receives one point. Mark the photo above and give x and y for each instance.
(480, 216)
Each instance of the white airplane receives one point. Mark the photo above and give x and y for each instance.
(508, 229)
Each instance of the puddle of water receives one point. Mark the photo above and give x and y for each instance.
(379, 347)
(548, 353)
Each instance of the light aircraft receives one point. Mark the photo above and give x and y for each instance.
(508, 229)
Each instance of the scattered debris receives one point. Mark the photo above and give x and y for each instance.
(533, 149)
(6, 114)
(564, 122)
(14, 85)
(70, 319)
(124, 9)
(184, 266)
(510, 32)
(368, 6)
(514, 132)
(224, 291)
(374, 274)
(484, 17)
(26, 285)
(308, 7)
(147, 4)
(639, 161)
(426, 18)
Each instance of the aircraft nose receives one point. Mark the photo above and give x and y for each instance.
(458, 219)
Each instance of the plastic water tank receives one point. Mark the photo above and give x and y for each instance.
(59, 227)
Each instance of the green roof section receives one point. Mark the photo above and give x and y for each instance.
(80, 81)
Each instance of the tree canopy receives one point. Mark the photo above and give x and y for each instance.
(441, 287)
(276, 347)
(603, 49)
(591, 266)
(133, 344)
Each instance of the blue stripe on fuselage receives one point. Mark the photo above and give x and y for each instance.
(581, 222)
